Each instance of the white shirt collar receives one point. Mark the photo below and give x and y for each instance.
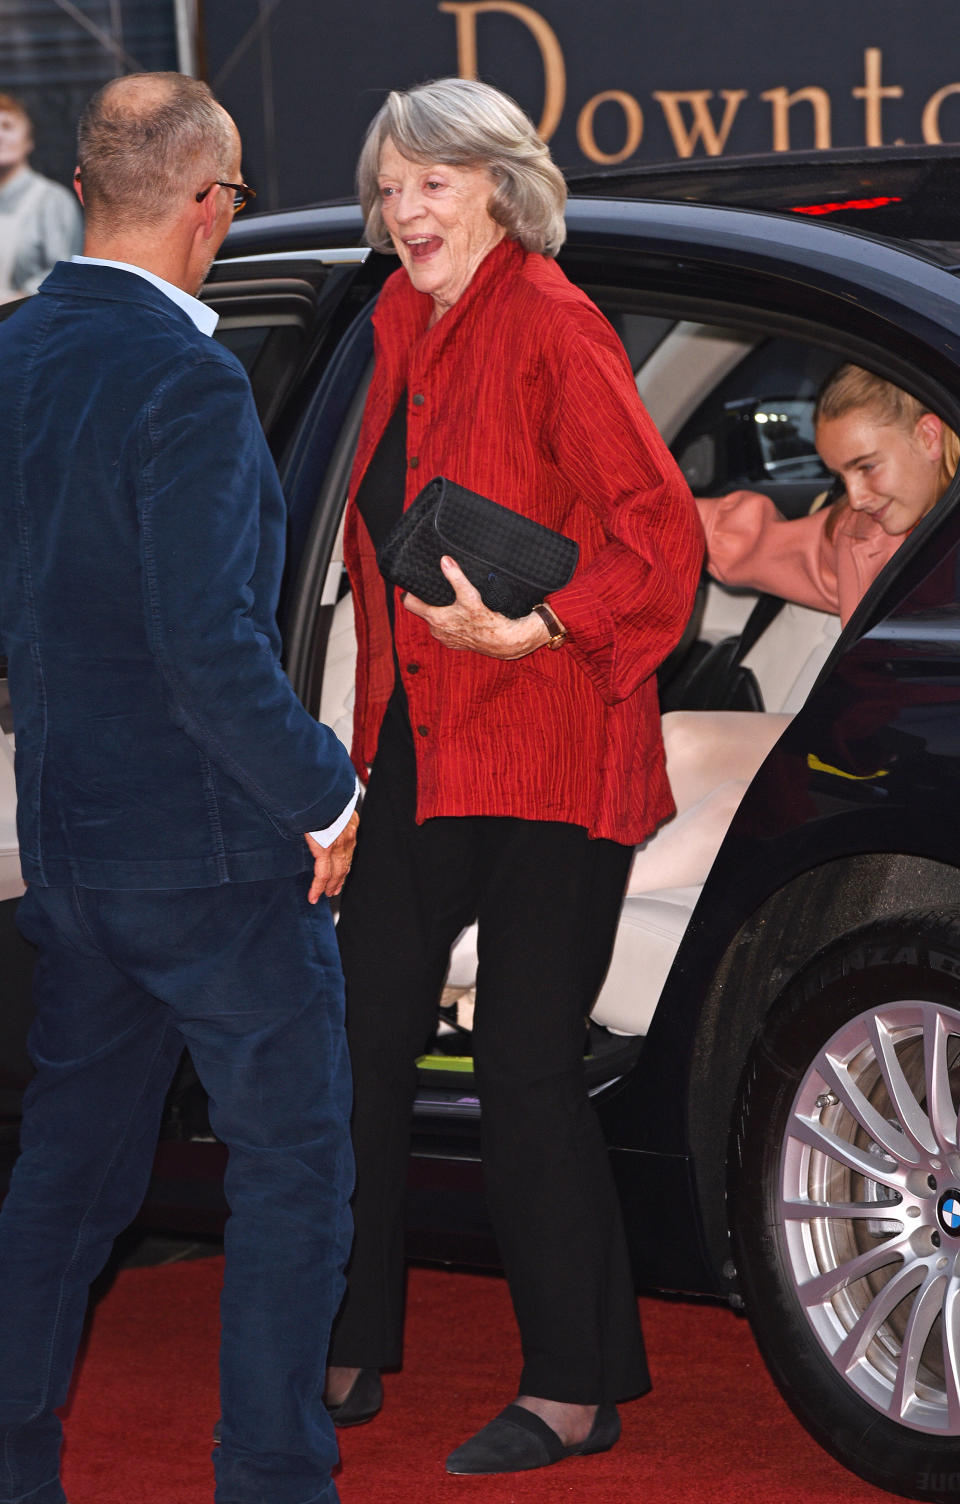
(205, 318)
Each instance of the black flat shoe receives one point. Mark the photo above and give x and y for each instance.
(361, 1402)
(517, 1440)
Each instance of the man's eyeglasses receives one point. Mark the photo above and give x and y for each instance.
(241, 193)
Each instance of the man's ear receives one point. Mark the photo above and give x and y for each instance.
(77, 184)
(210, 215)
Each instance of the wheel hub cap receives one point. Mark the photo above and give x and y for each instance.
(948, 1212)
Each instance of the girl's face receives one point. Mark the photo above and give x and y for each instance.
(890, 470)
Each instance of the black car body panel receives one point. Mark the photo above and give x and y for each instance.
(905, 192)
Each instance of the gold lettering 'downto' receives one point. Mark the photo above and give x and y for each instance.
(691, 115)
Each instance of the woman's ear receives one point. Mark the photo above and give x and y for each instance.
(929, 431)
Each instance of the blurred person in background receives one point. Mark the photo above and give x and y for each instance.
(40, 221)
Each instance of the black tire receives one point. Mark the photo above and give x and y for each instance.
(839, 1338)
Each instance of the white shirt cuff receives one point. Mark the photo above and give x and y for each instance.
(328, 836)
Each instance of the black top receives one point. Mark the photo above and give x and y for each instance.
(380, 504)
(380, 497)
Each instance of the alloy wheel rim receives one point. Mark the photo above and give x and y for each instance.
(869, 1203)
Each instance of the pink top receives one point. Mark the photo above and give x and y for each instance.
(750, 543)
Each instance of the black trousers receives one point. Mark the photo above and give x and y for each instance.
(546, 899)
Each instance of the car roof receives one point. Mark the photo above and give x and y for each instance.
(908, 194)
(676, 225)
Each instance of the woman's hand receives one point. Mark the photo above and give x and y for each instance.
(469, 624)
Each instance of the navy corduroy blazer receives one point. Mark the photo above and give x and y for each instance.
(142, 526)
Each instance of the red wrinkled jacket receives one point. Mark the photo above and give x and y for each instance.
(523, 392)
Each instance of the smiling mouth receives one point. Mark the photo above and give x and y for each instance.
(877, 514)
(421, 246)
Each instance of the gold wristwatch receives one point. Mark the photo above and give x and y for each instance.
(553, 624)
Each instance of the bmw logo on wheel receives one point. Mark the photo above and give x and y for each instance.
(948, 1210)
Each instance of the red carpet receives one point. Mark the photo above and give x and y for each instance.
(714, 1428)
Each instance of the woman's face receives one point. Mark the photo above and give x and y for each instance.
(16, 139)
(890, 470)
(437, 218)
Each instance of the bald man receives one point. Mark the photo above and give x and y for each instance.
(183, 821)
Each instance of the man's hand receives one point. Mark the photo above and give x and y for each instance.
(332, 863)
(468, 624)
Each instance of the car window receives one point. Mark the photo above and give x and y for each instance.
(783, 433)
(755, 429)
(270, 353)
(268, 329)
(640, 333)
(736, 408)
(244, 340)
(272, 312)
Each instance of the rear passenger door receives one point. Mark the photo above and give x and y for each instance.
(275, 313)
(300, 323)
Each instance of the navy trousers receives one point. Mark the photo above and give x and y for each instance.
(247, 976)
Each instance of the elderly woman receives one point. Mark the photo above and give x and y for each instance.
(515, 763)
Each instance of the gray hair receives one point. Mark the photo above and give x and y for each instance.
(142, 140)
(462, 123)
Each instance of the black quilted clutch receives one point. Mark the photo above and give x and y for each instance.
(513, 561)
